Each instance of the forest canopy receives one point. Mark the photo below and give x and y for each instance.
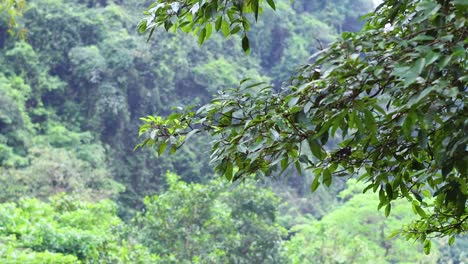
(390, 100)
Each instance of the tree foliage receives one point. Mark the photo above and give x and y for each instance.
(84, 76)
(55, 170)
(351, 235)
(390, 100)
(70, 98)
(66, 231)
(211, 223)
(10, 10)
(202, 17)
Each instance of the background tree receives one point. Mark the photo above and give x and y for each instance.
(66, 231)
(212, 223)
(356, 232)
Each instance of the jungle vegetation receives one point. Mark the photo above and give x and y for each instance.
(77, 76)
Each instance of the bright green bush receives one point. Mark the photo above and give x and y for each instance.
(66, 231)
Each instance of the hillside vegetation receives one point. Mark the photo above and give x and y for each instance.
(73, 190)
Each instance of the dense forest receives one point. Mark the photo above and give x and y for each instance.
(75, 79)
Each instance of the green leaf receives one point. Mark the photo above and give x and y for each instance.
(422, 139)
(246, 25)
(389, 191)
(327, 177)
(293, 101)
(225, 28)
(324, 138)
(451, 240)
(315, 183)
(408, 125)
(419, 210)
(154, 134)
(432, 57)
(427, 247)
(426, 193)
(444, 62)
(255, 5)
(298, 167)
(419, 66)
(370, 122)
(308, 106)
(284, 163)
(218, 23)
(242, 148)
(422, 37)
(201, 36)
(271, 3)
(168, 25)
(235, 30)
(151, 33)
(162, 147)
(229, 171)
(388, 208)
(316, 149)
(142, 27)
(209, 30)
(394, 234)
(382, 196)
(173, 149)
(304, 159)
(416, 99)
(245, 44)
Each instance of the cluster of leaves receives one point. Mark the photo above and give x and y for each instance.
(200, 17)
(391, 99)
